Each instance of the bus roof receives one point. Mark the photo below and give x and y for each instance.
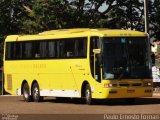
(76, 32)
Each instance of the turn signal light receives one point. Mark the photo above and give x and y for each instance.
(147, 84)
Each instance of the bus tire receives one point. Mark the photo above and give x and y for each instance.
(88, 95)
(26, 92)
(36, 93)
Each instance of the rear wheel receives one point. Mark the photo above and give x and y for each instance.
(26, 92)
(88, 95)
(36, 93)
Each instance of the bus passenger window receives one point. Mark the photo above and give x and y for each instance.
(36, 49)
(8, 51)
(81, 47)
(43, 49)
(52, 49)
(67, 48)
(27, 50)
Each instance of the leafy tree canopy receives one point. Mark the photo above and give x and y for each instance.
(33, 16)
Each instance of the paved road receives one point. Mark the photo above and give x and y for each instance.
(10, 106)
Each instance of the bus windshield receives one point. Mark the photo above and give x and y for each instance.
(125, 57)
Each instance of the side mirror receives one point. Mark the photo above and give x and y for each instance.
(98, 56)
(96, 51)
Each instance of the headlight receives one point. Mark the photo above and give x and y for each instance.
(147, 84)
(109, 85)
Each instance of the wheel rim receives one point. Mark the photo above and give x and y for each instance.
(88, 95)
(26, 92)
(36, 92)
(26, 95)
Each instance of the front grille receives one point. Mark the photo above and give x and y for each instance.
(137, 84)
(124, 85)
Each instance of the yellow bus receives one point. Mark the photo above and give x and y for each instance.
(78, 63)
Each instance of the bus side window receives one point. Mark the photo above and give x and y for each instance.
(69, 47)
(36, 49)
(81, 47)
(8, 54)
(60, 48)
(52, 49)
(17, 50)
(27, 50)
(43, 49)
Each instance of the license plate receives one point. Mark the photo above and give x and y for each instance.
(130, 91)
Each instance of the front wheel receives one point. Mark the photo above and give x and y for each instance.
(36, 93)
(26, 92)
(88, 95)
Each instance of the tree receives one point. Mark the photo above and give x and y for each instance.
(126, 14)
(11, 14)
(55, 14)
(33, 16)
(154, 13)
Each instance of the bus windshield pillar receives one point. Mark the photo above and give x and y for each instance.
(97, 64)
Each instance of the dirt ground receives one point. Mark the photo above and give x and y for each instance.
(51, 108)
